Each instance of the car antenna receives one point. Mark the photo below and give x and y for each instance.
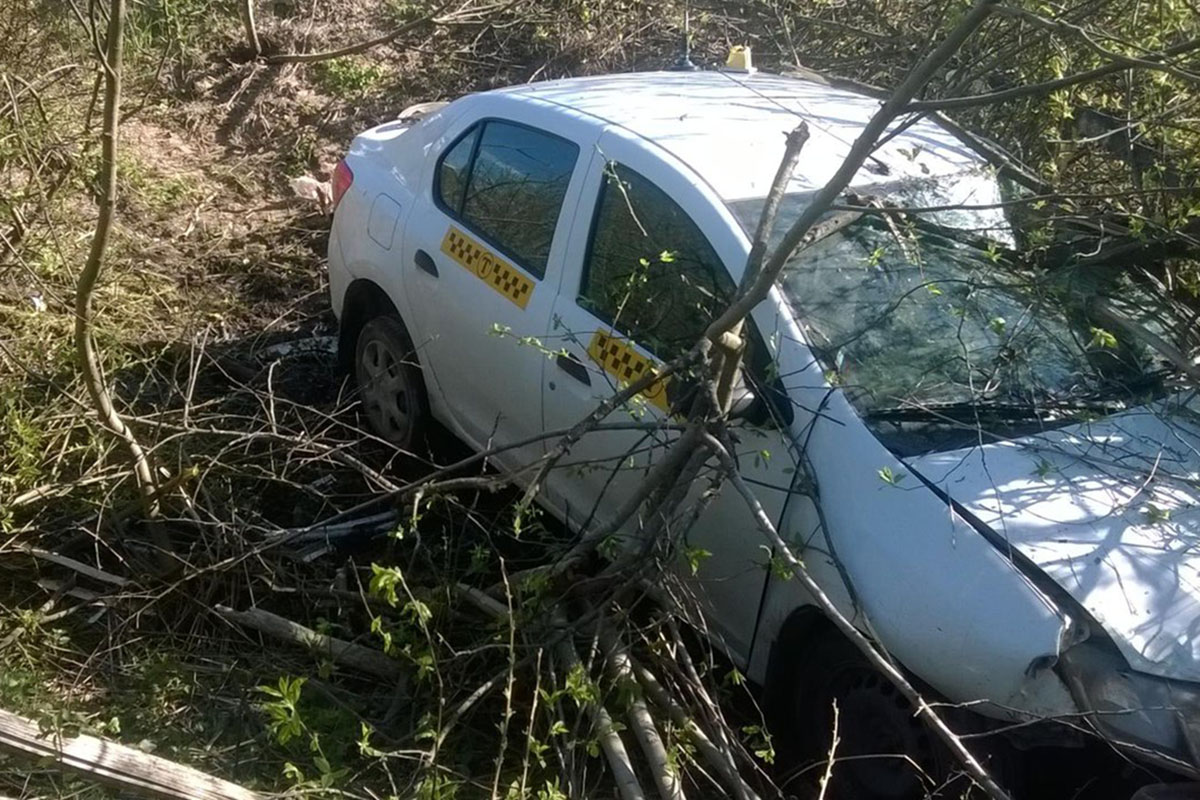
(684, 62)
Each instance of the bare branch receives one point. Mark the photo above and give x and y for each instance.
(361, 47)
(1046, 87)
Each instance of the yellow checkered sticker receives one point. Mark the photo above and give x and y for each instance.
(625, 364)
(487, 266)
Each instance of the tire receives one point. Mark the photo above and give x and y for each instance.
(883, 753)
(390, 384)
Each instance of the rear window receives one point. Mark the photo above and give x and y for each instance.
(507, 183)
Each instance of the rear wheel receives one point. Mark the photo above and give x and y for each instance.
(390, 384)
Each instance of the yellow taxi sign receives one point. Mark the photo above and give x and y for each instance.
(739, 59)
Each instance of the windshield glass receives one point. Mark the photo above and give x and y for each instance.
(922, 317)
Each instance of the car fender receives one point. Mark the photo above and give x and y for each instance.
(895, 560)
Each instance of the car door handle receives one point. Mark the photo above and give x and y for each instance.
(424, 262)
(573, 367)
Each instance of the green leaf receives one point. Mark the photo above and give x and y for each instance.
(695, 557)
(888, 476)
(1155, 515)
(1102, 338)
(579, 686)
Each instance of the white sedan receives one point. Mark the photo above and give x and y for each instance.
(1013, 507)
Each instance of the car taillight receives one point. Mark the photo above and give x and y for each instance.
(342, 178)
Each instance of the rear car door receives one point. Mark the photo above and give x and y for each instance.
(484, 253)
(641, 283)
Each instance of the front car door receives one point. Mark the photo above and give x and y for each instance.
(640, 284)
(483, 255)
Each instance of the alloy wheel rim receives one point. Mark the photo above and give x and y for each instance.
(385, 391)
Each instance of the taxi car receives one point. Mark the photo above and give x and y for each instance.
(1006, 502)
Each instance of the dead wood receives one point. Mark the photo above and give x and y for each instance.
(356, 656)
(125, 768)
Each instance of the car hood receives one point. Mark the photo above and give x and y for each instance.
(1110, 510)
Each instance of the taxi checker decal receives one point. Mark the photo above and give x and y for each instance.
(487, 266)
(627, 365)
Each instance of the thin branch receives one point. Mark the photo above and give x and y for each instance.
(1046, 87)
(1062, 26)
(361, 47)
(251, 28)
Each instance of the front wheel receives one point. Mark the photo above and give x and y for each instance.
(884, 751)
(390, 384)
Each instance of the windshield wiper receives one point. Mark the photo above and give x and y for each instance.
(989, 410)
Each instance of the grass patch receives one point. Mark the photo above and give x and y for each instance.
(145, 189)
(348, 76)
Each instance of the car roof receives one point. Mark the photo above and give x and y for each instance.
(730, 127)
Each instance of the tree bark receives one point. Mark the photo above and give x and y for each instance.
(85, 345)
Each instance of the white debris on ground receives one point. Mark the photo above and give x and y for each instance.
(324, 345)
(309, 188)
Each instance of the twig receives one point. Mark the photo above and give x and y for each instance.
(827, 775)
(77, 566)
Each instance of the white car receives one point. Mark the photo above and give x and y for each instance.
(1011, 505)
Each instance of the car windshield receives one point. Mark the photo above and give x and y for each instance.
(930, 319)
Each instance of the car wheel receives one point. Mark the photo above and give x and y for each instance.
(389, 382)
(884, 751)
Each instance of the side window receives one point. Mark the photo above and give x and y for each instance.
(452, 171)
(509, 186)
(650, 272)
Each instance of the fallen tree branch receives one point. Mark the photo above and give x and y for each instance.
(77, 566)
(1046, 87)
(751, 295)
(104, 760)
(602, 724)
(641, 722)
(680, 716)
(363, 659)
